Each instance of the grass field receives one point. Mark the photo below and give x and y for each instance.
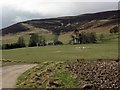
(104, 50)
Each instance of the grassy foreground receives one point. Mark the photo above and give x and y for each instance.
(84, 74)
(47, 75)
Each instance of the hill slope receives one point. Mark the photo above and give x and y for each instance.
(68, 23)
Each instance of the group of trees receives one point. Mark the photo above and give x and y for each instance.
(83, 37)
(35, 40)
(55, 40)
(19, 44)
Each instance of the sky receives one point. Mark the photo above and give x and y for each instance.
(14, 11)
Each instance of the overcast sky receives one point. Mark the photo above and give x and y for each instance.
(13, 11)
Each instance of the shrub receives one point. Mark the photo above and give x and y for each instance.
(10, 46)
(58, 43)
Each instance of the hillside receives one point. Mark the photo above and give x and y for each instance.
(68, 23)
(100, 22)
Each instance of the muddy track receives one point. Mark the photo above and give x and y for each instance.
(11, 73)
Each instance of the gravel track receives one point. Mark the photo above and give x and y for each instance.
(11, 73)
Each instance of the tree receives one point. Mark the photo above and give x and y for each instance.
(34, 40)
(83, 37)
(93, 37)
(42, 41)
(5, 46)
(80, 38)
(76, 32)
(20, 42)
(72, 40)
(56, 34)
(55, 38)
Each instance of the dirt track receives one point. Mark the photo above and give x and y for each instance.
(10, 74)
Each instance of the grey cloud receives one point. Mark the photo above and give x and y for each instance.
(11, 15)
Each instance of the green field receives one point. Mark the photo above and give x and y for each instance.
(105, 50)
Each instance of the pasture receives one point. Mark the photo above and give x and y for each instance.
(105, 50)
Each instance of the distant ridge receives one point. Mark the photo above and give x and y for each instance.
(68, 23)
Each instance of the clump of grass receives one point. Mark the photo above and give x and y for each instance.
(67, 78)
